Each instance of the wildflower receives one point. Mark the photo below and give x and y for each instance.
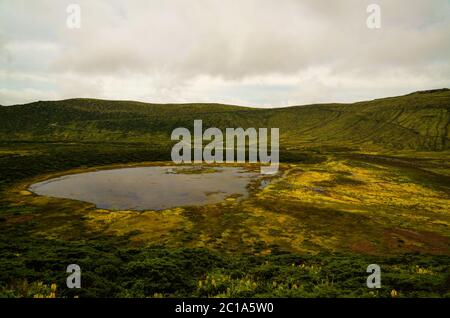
(394, 293)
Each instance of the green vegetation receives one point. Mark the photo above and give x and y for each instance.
(417, 121)
(110, 270)
(361, 183)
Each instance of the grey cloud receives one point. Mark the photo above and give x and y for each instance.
(169, 44)
(256, 37)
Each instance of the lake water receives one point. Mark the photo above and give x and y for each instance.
(149, 188)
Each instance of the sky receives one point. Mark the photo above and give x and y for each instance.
(263, 53)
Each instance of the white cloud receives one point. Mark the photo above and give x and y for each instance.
(252, 52)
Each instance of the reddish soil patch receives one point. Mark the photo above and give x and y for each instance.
(404, 240)
(365, 247)
(19, 219)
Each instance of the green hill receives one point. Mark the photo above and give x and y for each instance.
(417, 121)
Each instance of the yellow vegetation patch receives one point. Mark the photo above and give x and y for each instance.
(274, 228)
(335, 205)
(363, 187)
(151, 225)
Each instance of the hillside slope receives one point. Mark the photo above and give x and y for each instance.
(417, 121)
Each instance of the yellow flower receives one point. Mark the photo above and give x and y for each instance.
(394, 293)
(53, 287)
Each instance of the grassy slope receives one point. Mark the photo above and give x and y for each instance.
(418, 121)
(355, 209)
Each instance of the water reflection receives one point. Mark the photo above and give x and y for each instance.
(150, 188)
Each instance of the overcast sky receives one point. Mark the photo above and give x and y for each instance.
(247, 52)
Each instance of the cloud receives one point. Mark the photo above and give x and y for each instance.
(225, 51)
